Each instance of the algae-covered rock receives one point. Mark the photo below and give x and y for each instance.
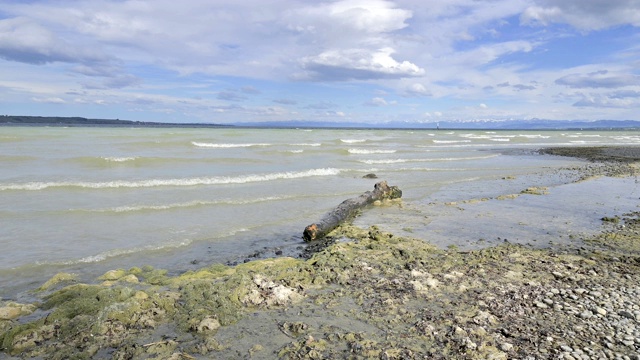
(13, 310)
(60, 278)
(113, 275)
(208, 324)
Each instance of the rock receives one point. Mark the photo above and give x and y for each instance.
(112, 275)
(208, 324)
(506, 347)
(541, 305)
(9, 312)
(626, 314)
(432, 283)
(13, 310)
(270, 293)
(585, 314)
(57, 279)
(130, 279)
(370, 176)
(600, 311)
(566, 348)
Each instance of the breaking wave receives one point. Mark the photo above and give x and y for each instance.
(171, 182)
(366, 151)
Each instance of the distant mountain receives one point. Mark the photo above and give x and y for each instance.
(80, 121)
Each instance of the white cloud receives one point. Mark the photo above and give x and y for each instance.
(609, 100)
(358, 64)
(371, 16)
(583, 14)
(417, 89)
(599, 79)
(198, 58)
(377, 101)
(24, 40)
(49, 100)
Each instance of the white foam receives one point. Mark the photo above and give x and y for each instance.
(450, 141)
(172, 182)
(134, 208)
(119, 159)
(397, 161)
(372, 151)
(225, 146)
(353, 141)
(307, 144)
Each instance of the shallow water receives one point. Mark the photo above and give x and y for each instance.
(86, 200)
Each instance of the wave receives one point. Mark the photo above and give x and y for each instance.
(307, 144)
(365, 151)
(226, 146)
(450, 141)
(109, 254)
(397, 161)
(120, 159)
(353, 141)
(190, 204)
(31, 186)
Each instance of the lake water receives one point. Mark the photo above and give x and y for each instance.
(86, 200)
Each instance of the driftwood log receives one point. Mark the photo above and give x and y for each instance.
(348, 209)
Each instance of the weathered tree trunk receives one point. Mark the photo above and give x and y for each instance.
(348, 209)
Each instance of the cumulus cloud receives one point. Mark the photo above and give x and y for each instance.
(583, 14)
(358, 64)
(610, 100)
(599, 79)
(376, 101)
(369, 16)
(24, 40)
(417, 89)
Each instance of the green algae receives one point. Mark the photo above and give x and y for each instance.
(60, 278)
(367, 294)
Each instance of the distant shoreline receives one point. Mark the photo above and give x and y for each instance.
(522, 125)
(9, 120)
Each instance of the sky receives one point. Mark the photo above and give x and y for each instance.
(364, 61)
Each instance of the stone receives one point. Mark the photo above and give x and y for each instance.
(9, 312)
(112, 275)
(541, 305)
(208, 324)
(585, 314)
(600, 311)
(626, 314)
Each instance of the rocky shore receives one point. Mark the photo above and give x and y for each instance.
(366, 294)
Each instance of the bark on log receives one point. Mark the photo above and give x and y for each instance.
(348, 209)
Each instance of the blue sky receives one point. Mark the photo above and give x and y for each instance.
(363, 61)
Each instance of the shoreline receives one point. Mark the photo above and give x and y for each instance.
(371, 294)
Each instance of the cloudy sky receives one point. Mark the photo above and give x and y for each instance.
(347, 60)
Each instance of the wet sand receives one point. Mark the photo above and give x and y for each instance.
(369, 294)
